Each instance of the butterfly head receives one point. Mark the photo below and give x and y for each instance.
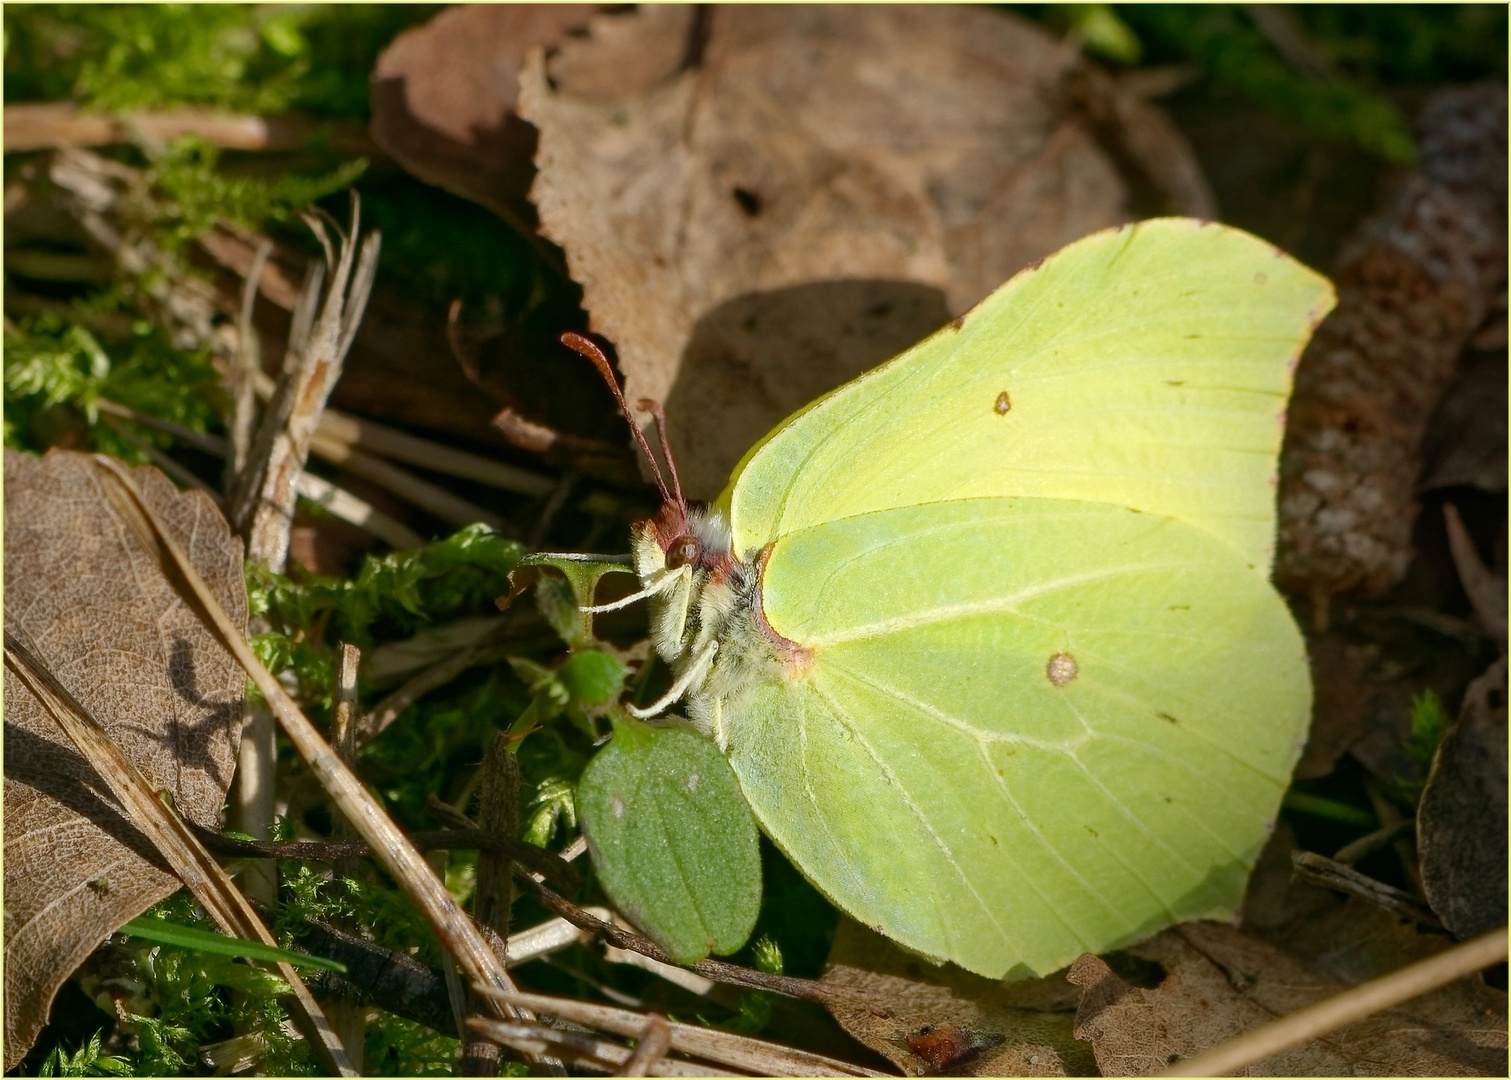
(678, 535)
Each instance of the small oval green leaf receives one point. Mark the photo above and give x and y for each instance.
(672, 840)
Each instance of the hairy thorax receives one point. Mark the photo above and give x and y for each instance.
(706, 617)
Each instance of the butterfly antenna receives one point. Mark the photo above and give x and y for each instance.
(588, 349)
(652, 406)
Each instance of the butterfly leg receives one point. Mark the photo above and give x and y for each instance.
(696, 672)
(660, 585)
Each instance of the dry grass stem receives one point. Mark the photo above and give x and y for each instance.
(721, 1047)
(173, 839)
(316, 489)
(717, 970)
(385, 441)
(247, 364)
(44, 124)
(451, 925)
(427, 496)
(262, 505)
(355, 511)
(1346, 1008)
(651, 1044)
(581, 1051)
(1316, 869)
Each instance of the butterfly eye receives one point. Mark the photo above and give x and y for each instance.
(683, 552)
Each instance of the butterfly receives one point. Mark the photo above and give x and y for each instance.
(987, 635)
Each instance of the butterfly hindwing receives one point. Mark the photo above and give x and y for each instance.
(1029, 727)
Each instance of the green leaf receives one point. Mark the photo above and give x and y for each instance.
(187, 937)
(672, 841)
(1103, 33)
(592, 677)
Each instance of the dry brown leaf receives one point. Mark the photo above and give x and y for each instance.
(896, 162)
(1461, 819)
(1342, 696)
(925, 1018)
(1219, 982)
(116, 634)
(1466, 440)
(443, 98)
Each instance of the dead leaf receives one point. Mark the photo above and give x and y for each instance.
(1220, 982)
(1466, 438)
(928, 1019)
(886, 155)
(1275, 899)
(1340, 709)
(1461, 819)
(443, 98)
(115, 633)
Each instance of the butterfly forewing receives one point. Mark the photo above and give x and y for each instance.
(1147, 367)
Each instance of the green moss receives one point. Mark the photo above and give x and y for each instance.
(238, 57)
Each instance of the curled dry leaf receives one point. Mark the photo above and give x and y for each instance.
(815, 188)
(1461, 819)
(1414, 284)
(930, 1019)
(1219, 982)
(113, 630)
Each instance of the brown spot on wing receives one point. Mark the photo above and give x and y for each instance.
(1061, 669)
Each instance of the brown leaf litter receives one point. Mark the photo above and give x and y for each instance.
(1219, 982)
(1461, 819)
(813, 189)
(114, 631)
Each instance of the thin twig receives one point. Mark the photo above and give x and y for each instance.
(445, 505)
(538, 860)
(721, 1047)
(651, 1044)
(408, 867)
(162, 460)
(1316, 869)
(1351, 1006)
(316, 489)
(35, 126)
(498, 813)
(1486, 590)
(210, 444)
(437, 457)
(717, 970)
(349, 1018)
(169, 834)
(1351, 853)
(558, 499)
(247, 364)
(582, 1051)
